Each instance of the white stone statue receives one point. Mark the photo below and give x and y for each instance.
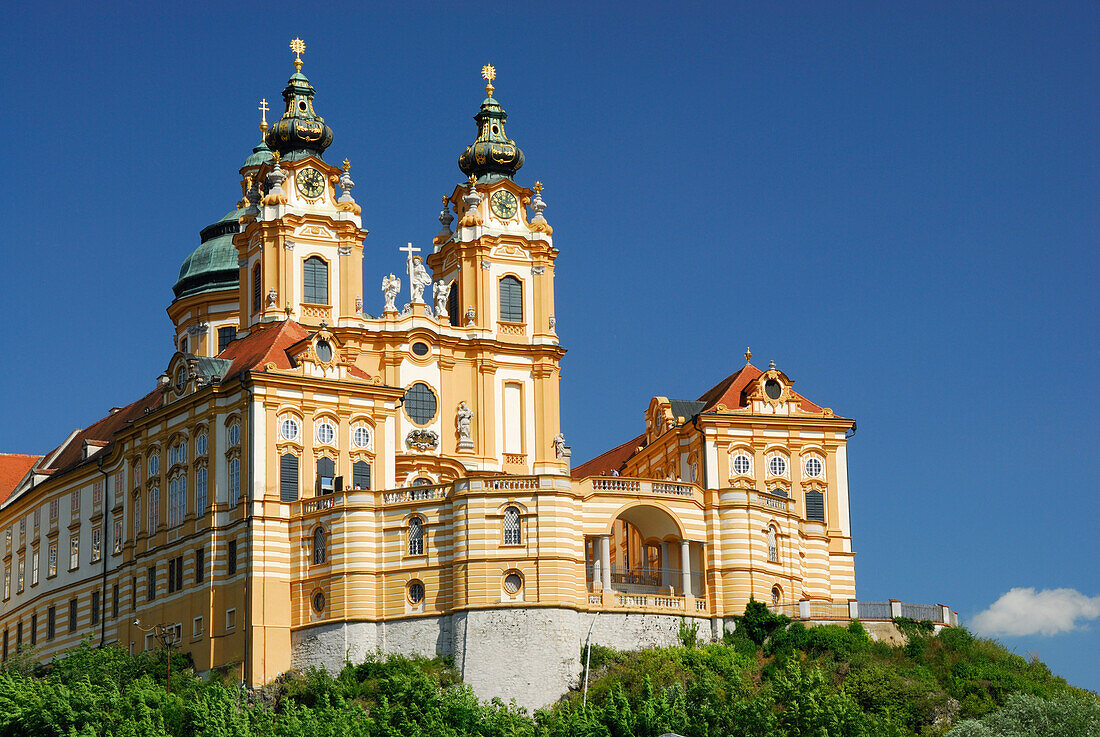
(418, 279)
(463, 417)
(391, 285)
(441, 291)
(559, 446)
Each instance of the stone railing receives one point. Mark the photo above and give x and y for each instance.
(624, 485)
(416, 494)
(512, 328)
(509, 483)
(316, 312)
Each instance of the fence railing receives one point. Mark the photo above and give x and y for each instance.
(871, 611)
(617, 484)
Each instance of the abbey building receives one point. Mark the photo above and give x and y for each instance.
(308, 481)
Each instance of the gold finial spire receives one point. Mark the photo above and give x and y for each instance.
(263, 108)
(298, 46)
(275, 155)
(748, 354)
(489, 73)
(347, 165)
(472, 180)
(537, 188)
(446, 200)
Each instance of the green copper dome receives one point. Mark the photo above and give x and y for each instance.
(300, 132)
(212, 266)
(493, 154)
(259, 156)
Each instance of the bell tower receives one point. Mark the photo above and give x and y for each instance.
(300, 250)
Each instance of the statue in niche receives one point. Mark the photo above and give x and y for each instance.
(441, 291)
(463, 417)
(391, 285)
(418, 279)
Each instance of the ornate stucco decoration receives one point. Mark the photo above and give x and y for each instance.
(773, 387)
(422, 440)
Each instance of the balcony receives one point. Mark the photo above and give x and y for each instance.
(639, 487)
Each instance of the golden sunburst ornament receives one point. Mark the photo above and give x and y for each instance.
(298, 46)
(489, 73)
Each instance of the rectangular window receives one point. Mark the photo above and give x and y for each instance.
(288, 477)
(183, 345)
(72, 615)
(95, 607)
(114, 601)
(511, 299)
(53, 510)
(234, 481)
(22, 527)
(137, 515)
(116, 544)
(196, 627)
(230, 618)
(226, 336)
(97, 492)
(19, 576)
(74, 552)
(7, 581)
(151, 584)
(177, 501)
(175, 574)
(513, 418)
(34, 629)
(34, 568)
(360, 475)
(97, 544)
(120, 484)
(37, 518)
(5, 644)
(19, 635)
(231, 558)
(74, 504)
(51, 623)
(315, 280)
(154, 510)
(200, 565)
(133, 593)
(200, 491)
(51, 560)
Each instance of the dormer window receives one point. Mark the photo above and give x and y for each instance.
(773, 389)
(323, 349)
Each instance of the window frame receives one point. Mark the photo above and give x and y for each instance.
(415, 546)
(510, 305)
(512, 526)
(314, 267)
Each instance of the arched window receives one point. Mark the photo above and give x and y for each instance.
(511, 299)
(315, 280)
(773, 544)
(453, 310)
(815, 506)
(777, 595)
(234, 481)
(512, 533)
(319, 551)
(200, 490)
(257, 289)
(416, 536)
(326, 475)
(360, 474)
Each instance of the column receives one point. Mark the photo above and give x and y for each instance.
(685, 566)
(596, 566)
(665, 578)
(605, 561)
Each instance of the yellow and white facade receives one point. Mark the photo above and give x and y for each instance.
(308, 482)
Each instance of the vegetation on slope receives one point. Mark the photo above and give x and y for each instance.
(772, 678)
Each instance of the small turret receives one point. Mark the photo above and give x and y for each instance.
(300, 132)
(493, 154)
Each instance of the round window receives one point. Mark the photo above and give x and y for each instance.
(814, 467)
(773, 388)
(420, 403)
(741, 463)
(361, 437)
(778, 466)
(289, 429)
(324, 351)
(513, 582)
(319, 602)
(420, 349)
(326, 433)
(416, 592)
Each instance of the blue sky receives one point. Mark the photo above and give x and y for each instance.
(896, 202)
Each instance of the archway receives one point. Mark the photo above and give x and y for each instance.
(644, 551)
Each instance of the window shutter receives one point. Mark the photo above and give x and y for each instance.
(288, 478)
(511, 299)
(453, 309)
(815, 506)
(361, 475)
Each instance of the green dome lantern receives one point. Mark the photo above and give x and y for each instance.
(493, 154)
(300, 132)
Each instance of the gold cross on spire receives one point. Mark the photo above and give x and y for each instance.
(489, 73)
(298, 46)
(263, 108)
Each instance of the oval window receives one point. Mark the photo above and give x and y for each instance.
(513, 582)
(773, 388)
(420, 349)
(420, 403)
(324, 351)
(319, 602)
(416, 592)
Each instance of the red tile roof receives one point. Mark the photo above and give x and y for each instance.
(71, 454)
(612, 460)
(13, 467)
(261, 347)
(728, 391)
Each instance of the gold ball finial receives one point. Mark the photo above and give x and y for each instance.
(748, 354)
(538, 187)
(489, 73)
(298, 46)
(347, 165)
(263, 108)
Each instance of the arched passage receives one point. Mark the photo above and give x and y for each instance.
(645, 551)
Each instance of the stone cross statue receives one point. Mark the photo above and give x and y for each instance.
(391, 285)
(441, 291)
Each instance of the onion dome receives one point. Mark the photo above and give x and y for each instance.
(300, 132)
(212, 266)
(492, 155)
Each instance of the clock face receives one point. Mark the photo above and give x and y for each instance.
(311, 183)
(504, 204)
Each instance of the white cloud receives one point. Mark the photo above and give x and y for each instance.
(1027, 612)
